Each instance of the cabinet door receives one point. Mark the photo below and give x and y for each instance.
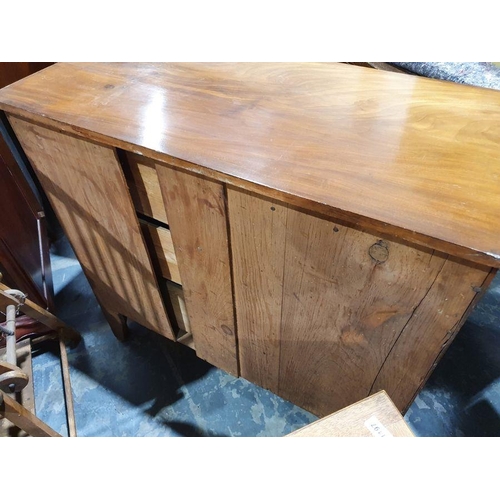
(328, 314)
(24, 247)
(87, 189)
(196, 211)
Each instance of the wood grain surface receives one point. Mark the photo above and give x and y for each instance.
(343, 310)
(196, 211)
(403, 155)
(328, 314)
(258, 233)
(351, 421)
(86, 187)
(430, 331)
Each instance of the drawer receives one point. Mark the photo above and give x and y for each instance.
(143, 185)
(161, 248)
(176, 296)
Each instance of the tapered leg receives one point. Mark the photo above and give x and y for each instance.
(118, 324)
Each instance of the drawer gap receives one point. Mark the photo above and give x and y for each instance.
(149, 220)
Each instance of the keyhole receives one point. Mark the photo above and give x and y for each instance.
(379, 252)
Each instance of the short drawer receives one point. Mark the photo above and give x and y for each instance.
(176, 296)
(143, 185)
(161, 247)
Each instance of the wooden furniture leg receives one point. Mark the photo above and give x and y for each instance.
(68, 394)
(23, 418)
(118, 324)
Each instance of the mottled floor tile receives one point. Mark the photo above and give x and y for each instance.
(147, 386)
(150, 386)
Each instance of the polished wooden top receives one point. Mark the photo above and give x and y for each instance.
(414, 158)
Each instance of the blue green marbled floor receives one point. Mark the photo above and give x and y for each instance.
(147, 386)
(150, 386)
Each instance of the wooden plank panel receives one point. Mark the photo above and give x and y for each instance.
(144, 187)
(197, 215)
(163, 247)
(321, 339)
(347, 296)
(258, 251)
(430, 331)
(327, 137)
(357, 419)
(87, 189)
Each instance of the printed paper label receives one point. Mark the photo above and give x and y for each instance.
(376, 428)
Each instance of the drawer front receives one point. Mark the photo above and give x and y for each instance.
(159, 241)
(144, 187)
(176, 297)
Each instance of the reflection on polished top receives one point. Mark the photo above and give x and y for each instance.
(410, 157)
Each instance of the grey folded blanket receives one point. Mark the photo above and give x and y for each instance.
(480, 74)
